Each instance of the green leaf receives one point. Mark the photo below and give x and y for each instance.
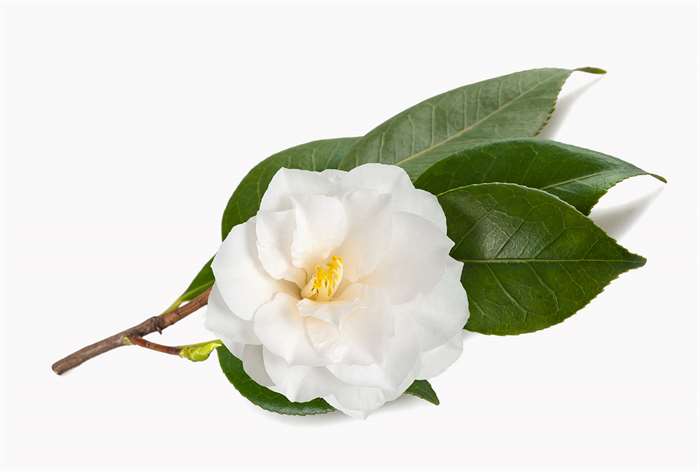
(201, 283)
(264, 397)
(577, 176)
(316, 155)
(423, 389)
(530, 259)
(511, 106)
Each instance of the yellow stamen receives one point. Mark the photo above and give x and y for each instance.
(325, 281)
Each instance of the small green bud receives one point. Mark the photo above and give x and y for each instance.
(199, 352)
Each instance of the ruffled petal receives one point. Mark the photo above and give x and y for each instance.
(398, 367)
(415, 261)
(321, 226)
(243, 283)
(361, 331)
(442, 312)
(435, 361)
(288, 182)
(280, 328)
(253, 365)
(220, 320)
(369, 232)
(275, 231)
(299, 383)
(357, 402)
(394, 180)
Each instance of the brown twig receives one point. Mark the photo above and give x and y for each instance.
(127, 337)
(139, 341)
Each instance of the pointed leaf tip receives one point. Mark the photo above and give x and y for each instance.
(592, 70)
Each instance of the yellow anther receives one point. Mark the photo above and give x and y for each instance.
(325, 281)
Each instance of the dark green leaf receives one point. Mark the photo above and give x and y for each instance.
(577, 176)
(264, 397)
(316, 155)
(530, 259)
(423, 389)
(512, 106)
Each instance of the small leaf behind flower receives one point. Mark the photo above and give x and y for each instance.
(530, 259)
(576, 175)
(423, 389)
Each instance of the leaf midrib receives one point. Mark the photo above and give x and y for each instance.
(473, 125)
(531, 260)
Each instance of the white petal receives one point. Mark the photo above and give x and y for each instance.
(252, 359)
(398, 367)
(280, 328)
(357, 402)
(404, 196)
(299, 383)
(369, 232)
(220, 320)
(288, 182)
(442, 312)
(274, 231)
(415, 261)
(435, 361)
(321, 226)
(243, 283)
(361, 332)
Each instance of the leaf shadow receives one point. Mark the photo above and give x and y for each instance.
(563, 108)
(617, 220)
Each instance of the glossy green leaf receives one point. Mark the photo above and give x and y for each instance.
(316, 155)
(511, 106)
(423, 389)
(202, 282)
(264, 397)
(577, 176)
(530, 259)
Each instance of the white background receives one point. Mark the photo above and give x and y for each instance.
(126, 128)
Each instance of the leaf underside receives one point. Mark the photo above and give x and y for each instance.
(530, 259)
(511, 106)
(576, 175)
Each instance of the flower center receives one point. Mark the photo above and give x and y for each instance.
(325, 281)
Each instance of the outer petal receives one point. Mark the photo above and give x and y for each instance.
(288, 182)
(369, 232)
(321, 226)
(253, 365)
(243, 283)
(274, 231)
(415, 261)
(397, 369)
(404, 196)
(299, 383)
(280, 328)
(435, 361)
(220, 320)
(442, 312)
(357, 402)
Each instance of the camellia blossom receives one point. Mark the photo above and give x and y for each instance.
(341, 288)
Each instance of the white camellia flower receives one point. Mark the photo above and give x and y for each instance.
(341, 287)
